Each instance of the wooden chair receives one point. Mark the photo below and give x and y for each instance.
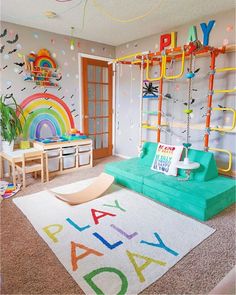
(32, 162)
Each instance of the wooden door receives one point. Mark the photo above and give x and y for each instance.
(97, 105)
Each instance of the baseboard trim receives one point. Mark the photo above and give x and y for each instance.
(122, 156)
(229, 173)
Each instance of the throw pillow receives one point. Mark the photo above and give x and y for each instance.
(166, 158)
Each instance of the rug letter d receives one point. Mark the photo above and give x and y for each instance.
(89, 279)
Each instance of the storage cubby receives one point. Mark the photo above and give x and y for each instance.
(67, 156)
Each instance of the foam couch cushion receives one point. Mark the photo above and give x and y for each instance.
(202, 197)
(201, 194)
(129, 173)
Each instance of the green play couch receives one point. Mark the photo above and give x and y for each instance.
(202, 197)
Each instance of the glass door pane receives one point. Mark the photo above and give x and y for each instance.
(98, 112)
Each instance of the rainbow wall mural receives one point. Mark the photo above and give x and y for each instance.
(44, 61)
(45, 109)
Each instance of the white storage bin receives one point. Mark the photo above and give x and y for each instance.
(53, 153)
(84, 159)
(84, 148)
(53, 164)
(68, 150)
(68, 162)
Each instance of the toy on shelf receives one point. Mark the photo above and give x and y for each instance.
(74, 134)
(41, 69)
(51, 139)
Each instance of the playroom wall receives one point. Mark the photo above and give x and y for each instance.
(128, 89)
(30, 39)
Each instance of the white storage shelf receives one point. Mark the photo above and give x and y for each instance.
(67, 156)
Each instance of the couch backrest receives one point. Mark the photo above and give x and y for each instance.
(149, 150)
(206, 171)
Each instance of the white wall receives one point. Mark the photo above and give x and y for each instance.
(12, 76)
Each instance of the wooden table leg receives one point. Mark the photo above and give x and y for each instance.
(46, 167)
(1, 167)
(8, 169)
(13, 173)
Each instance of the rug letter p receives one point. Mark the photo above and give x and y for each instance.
(51, 234)
(89, 279)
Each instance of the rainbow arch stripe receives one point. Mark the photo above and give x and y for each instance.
(45, 61)
(45, 109)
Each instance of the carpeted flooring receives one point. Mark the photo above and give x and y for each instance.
(29, 267)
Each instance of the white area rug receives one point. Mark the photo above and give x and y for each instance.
(117, 244)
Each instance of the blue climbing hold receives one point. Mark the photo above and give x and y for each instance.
(190, 75)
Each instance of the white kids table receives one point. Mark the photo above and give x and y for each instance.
(12, 158)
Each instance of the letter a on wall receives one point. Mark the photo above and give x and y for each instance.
(192, 34)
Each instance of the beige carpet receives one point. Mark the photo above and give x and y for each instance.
(29, 267)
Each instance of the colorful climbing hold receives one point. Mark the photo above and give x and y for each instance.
(187, 145)
(190, 75)
(187, 111)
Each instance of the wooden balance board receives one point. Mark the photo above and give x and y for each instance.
(93, 191)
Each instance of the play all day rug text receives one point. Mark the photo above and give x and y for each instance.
(117, 244)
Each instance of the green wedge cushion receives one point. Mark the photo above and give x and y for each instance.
(207, 170)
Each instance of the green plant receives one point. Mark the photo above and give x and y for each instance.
(9, 122)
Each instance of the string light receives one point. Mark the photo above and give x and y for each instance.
(105, 12)
(72, 41)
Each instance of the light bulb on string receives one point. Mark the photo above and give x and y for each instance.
(72, 44)
(72, 41)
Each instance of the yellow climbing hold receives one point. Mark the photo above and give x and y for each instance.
(187, 111)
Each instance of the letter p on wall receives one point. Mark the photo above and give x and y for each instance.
(168, 40)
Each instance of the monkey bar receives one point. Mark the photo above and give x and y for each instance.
(181, 70)
(229, 160)
(161, 72)
(223, 129)
(225, 90)
(224, 69)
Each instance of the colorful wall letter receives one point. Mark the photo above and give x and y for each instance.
(206, 29)
(192, 34)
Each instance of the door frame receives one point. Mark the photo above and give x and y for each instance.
(81, 106)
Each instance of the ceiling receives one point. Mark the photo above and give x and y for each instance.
(161, 15)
